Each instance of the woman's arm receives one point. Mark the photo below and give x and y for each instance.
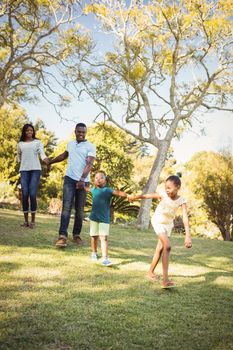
(188, 242)
(43, 156)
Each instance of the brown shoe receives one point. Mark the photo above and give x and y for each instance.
(78, 241)
(25, 224)
(61, 242)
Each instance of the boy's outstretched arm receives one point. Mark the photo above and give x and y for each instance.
(188, 241)
(119, 193)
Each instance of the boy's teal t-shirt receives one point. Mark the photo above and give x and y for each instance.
(101, 199)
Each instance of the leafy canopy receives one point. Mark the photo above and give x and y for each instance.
(212, 182)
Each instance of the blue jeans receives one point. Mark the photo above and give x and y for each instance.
(78, 197)
(29, 185)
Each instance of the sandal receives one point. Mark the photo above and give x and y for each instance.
(154, 278)
(25, 224)
(32, 225)
(168, 284)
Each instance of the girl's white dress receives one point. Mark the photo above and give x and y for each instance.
(162, 219)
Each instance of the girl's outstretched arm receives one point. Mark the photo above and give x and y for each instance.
(144, 196)
(188, 242)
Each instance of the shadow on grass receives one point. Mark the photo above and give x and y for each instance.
(117, 312)
(8, 266)
(57, 299)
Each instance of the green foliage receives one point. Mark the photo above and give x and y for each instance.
(6, 192)
(52, 187)
(11, 123)
(113, 153)
(121, 205)
(212, 183)
(47, 137)
(35, 39)
(49, 141)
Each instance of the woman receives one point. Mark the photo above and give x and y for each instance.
(28, 150)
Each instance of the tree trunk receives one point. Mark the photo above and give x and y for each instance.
(2, 101)
(151, 185)
(228, 227)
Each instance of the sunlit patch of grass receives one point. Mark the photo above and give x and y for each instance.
(224, 281)
(134, 266)
(59, 299)
(188, 270)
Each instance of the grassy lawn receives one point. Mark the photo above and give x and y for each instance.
(58, 299)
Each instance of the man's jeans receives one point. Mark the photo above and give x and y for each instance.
(29, 184)
(72, 195)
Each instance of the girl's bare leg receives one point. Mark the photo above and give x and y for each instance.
(165, 257)
(156, 258)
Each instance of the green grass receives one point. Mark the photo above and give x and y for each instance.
(58, 299)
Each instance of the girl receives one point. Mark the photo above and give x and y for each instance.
(28, 149)
(162, 222)
(100, 215)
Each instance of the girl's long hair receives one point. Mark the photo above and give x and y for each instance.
(23, 134)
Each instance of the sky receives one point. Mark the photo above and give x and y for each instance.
(217, 126)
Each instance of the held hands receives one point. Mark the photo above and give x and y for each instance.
(48, 165)
(131, 197)
(47, 161)
(80, 185)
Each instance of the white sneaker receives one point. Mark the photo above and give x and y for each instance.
(106, 262)
(94, 256)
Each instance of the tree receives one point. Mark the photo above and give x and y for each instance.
(212, 182)
(171, 61)
(11, 123)
(114, 148)
(36, 37)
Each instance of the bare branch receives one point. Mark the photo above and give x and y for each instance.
(218, 108)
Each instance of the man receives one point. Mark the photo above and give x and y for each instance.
(81, 155)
